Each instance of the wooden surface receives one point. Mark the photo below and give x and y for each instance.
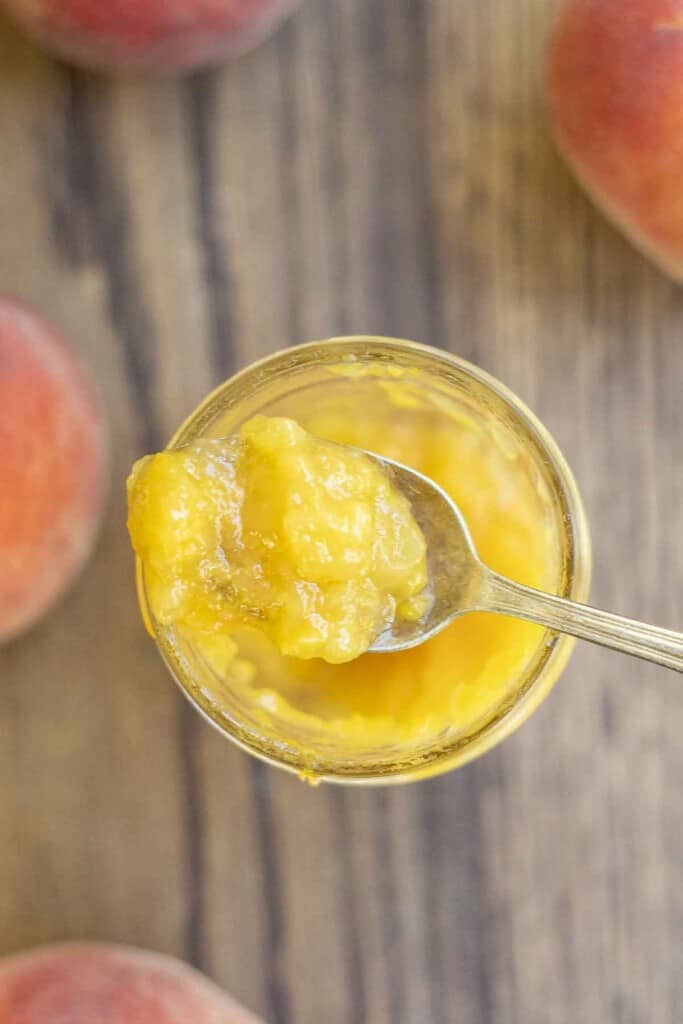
(379, 166)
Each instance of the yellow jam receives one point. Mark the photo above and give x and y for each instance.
(409, 700)
(275, 530)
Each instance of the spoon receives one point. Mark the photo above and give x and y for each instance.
(462, 583)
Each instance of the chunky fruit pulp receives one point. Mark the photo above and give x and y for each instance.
(308, 542)
(459, 679)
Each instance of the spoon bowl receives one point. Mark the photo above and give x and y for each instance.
(456, 574)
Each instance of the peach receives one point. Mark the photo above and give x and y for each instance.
(161, 35)
(615, 93)
(52, 467)
(105, 984)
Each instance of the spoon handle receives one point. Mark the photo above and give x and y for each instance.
(662, 646)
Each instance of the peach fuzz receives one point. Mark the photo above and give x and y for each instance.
(107, 984)
(614, 83)
(148, 35)
(52, 467)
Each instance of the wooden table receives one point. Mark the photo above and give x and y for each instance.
(380, 166)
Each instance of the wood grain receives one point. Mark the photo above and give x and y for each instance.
(378, 167)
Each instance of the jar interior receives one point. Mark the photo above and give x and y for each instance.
(391, 714)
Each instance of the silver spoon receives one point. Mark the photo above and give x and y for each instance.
(462, 583)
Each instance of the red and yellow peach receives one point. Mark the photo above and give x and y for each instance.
(151, 35)
(615, 93)
(105, 984)
(52, 466)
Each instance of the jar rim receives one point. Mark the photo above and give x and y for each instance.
(555, 651)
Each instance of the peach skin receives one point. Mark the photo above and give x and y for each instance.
(614, 84)
(52, 467)
(148, 35)
(106, 984)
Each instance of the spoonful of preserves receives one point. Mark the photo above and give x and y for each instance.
(461, 583)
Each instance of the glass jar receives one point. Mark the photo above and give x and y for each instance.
(455, 396)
